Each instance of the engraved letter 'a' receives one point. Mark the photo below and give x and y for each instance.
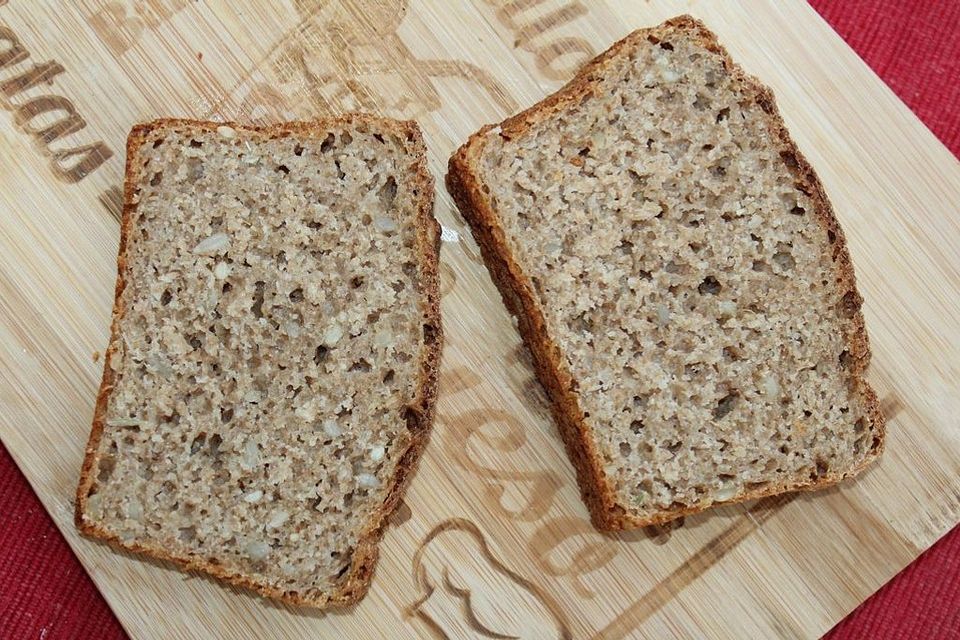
(59, 115)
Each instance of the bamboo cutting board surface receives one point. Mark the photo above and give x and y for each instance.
(492, 540)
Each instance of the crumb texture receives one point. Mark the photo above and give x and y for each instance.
(270, 344)
(687, 278)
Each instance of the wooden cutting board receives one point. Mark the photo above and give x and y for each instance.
(493, 541)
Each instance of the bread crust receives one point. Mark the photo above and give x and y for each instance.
(419, 414)
(465, 186)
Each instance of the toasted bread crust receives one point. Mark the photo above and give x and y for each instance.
(464, 185)
(419, 414)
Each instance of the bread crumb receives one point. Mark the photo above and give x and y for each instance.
(687, 277)
(233, 436)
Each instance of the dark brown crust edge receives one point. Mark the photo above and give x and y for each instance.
(419, 414)
(464, 184)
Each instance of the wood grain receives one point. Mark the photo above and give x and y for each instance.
(494, 541)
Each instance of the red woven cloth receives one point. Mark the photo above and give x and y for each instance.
(914, 45)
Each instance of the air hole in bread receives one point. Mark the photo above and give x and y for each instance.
(360, 365)
(784, 260)
(257, 306)
(388, 192)
(710, 285)
(198, 443)
(849, 305)
(822, 466)
(845, 358)
(725, 405)
(327, 143)
(106, 466)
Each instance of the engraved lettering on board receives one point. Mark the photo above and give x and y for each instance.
(477, 596)
(119, 25)
(50, 119)
(547, 29)
(529, 495)
(348, 56)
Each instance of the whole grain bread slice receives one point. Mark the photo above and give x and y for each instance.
(680, 279)
(272, 369)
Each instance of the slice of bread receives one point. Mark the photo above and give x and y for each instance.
(272, 368)
(680, 279)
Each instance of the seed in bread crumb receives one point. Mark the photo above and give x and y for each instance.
(663, 315)
(124, 422)
(278, 519)
(367, 481)
(94, 503)
(227, 133)
(770, 387)
(213, 245)
(725, 493)
(332, 335)
(332, 429)
(669, 75)
(385, 224)
(253, 496)
(258, 550)
(377, 453)
(251, 456)
(134, 510)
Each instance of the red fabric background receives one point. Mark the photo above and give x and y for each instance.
(914, 45)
